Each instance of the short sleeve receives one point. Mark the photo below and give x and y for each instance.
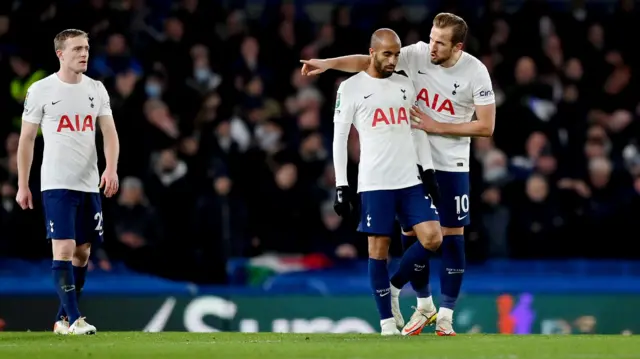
(34, 104)
(482, 88)
(105, 103)
(345, 109)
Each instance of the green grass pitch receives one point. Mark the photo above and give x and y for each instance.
(340, 346)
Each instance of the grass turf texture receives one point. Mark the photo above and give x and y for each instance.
(344, 346)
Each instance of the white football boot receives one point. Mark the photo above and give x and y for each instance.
(444, 324)
(420, 319)
(81, 327)
(61, 327)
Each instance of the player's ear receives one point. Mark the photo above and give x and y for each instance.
(371, 51)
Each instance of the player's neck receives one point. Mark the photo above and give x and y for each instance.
(371, 71)
(69, 76)
(453, 60)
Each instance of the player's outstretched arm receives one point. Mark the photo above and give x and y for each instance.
(109, 179)
(349, 63)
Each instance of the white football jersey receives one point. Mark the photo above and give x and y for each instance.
(67, 114)
(379, 110)
(447, 95)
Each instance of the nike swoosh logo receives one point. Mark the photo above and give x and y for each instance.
(421, 73)
(463, 217)
(366, 97)
(53, 103)
(385, 294)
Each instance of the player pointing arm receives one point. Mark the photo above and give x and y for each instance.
(451, 86)
(482, 92)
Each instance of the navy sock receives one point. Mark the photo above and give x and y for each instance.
(79, 275)
(452, 270)
(379, 277)
(419, 280)
(407, 241)
(65, 286)
(415, 258)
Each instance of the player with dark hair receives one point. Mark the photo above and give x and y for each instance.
(451, 86)
(377, 102)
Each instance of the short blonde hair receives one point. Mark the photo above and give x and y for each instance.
(458, 25)
(58, 41)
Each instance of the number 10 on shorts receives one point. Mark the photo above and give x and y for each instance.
(462, 204)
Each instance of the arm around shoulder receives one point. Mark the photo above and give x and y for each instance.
(349, 63)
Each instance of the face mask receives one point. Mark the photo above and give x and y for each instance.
(202, 74)
(153, 90)
(268, 140)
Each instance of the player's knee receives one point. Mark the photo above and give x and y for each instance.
(81, 255)
(452, 231)
(379, 247)
(63, 249)
(429, 234)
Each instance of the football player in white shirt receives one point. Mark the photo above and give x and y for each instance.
(451, 85)
(377, 102)
(68, 106)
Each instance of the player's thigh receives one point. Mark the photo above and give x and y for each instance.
(377, 213)
(414, 207)
(60, 213)
(89, 220)
(454, 199)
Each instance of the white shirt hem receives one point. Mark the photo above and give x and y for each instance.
(387, 188)
(70, 188)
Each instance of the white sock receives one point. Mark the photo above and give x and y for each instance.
(426, 304)
(395, 291)
(445, 313)
(384, 322)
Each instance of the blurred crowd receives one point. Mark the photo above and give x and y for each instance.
(225, 147)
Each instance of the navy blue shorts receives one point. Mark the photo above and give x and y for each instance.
(72, 214)
(381, 208)
(454, 199)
